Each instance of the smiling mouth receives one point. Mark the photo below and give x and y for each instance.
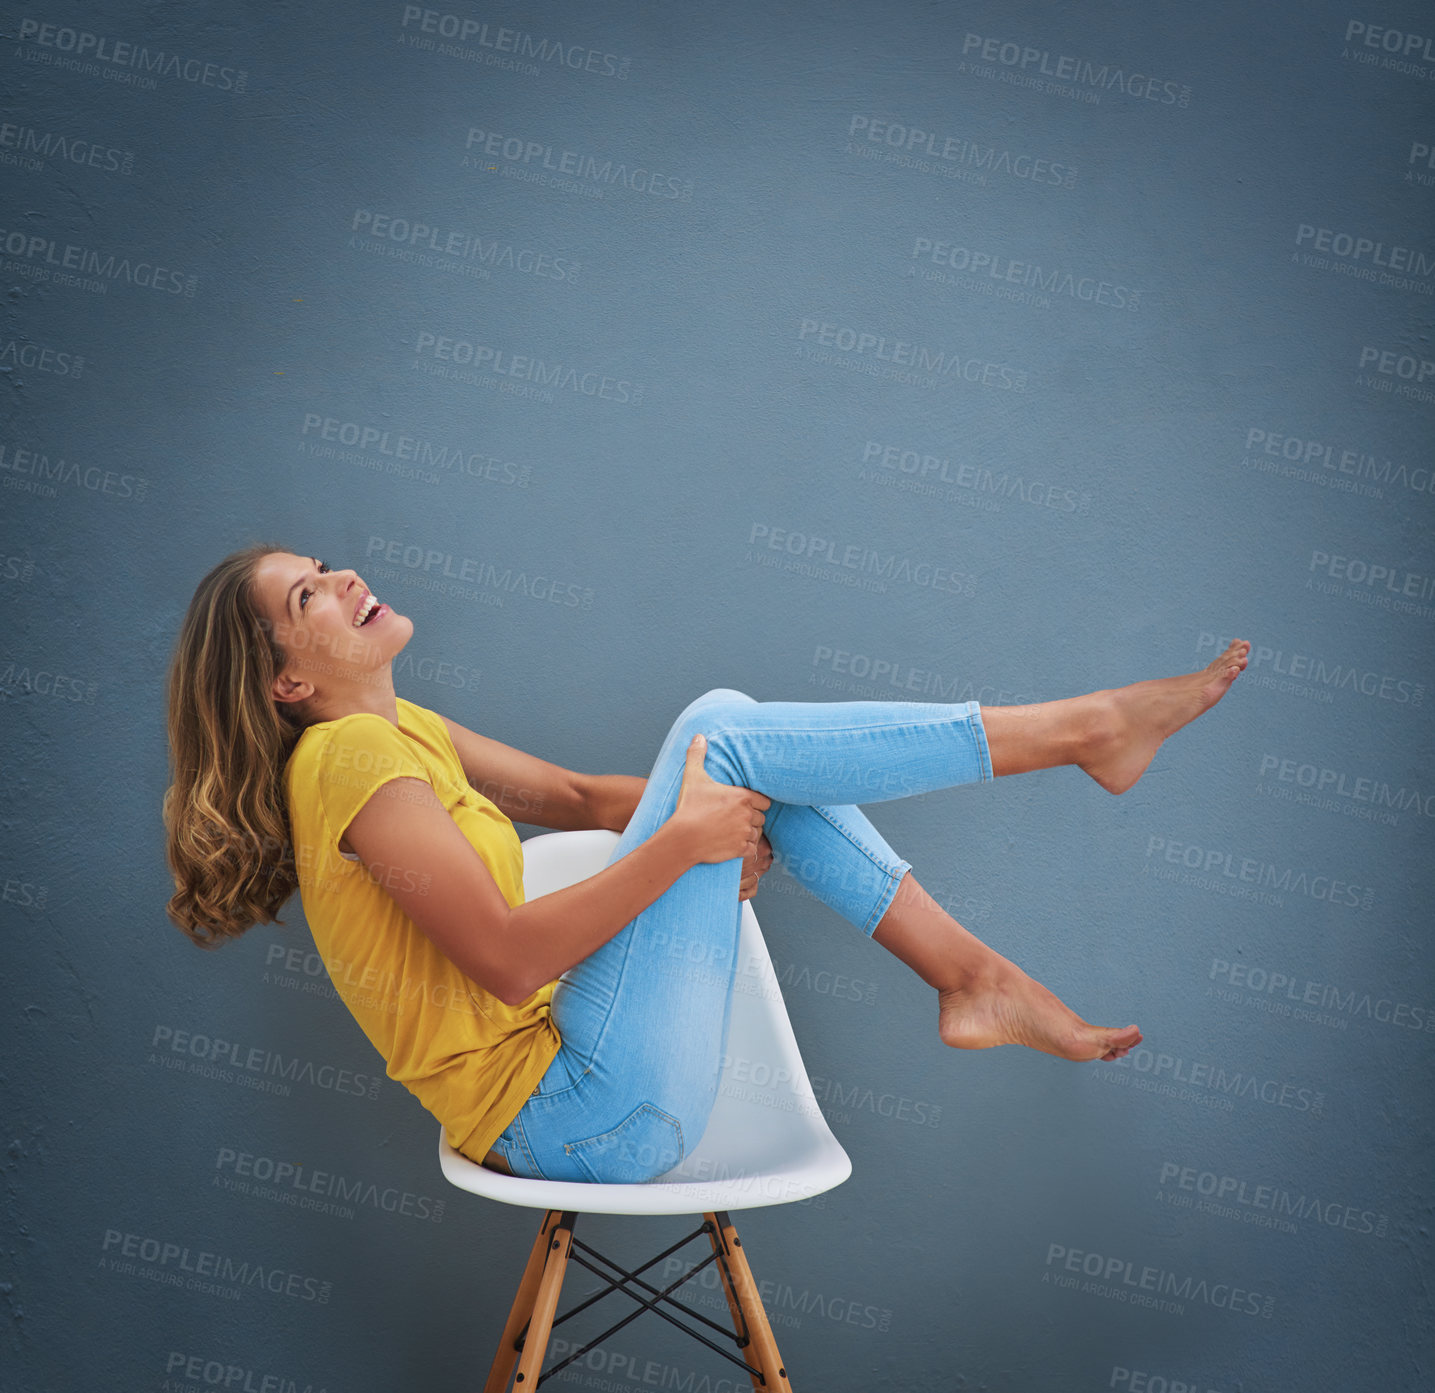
(370, 610)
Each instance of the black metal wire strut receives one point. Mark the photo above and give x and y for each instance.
(628, 1282)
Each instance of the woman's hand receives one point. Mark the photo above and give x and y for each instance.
(754, 866)
(719, 821)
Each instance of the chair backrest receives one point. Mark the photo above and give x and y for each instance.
(766, 1124)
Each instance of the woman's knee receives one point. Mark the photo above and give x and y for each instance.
(711, 715)
(707, 712)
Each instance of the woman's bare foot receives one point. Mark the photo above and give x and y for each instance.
(1131, 722)
(1003, 1006)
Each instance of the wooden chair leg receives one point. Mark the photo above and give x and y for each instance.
(520, 1314)
(545, 1303)
(761, 1353)
(735, 1308)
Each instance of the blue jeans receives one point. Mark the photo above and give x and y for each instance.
(644, 1019)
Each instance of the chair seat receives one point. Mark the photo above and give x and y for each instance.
(766, 1141)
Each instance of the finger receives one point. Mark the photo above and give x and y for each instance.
(697, 751)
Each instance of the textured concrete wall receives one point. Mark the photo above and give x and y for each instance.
(823, 351)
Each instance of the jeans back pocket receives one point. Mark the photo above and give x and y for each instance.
(644, 1145)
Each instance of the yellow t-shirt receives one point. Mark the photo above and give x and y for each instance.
(471, 1060)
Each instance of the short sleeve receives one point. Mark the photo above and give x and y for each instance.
(360, 756)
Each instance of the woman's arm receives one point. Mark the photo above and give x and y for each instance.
(512, 951)
(528, 789)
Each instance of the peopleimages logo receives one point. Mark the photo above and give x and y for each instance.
(32, 147)
(43, 682)
(1339, 783)
(200, 1372)
(33, 471)
(894, 1107)
(1354, 246)
(1378, 575)
(913, 363)
(926, 470)
(1264, 1205)
(1042, 63)
(1396, 373)
(1190, 1075)
(1363, 258)
(413, 234)
(1289, 987)
(602, 172)
(1050, 280)
(439, 565)
(785, 1305)
(1124, 1276)
(40, 358)
(1229, 870)
(295, 1183)
(42, 258)
(218, 1057)
(1318, 460)
(1144, 1381)
(524, 367)
(167, 1260)
(818, 551)
(915, 146)
(1320, 672)
(903, 676)
(321, 434)
(500, 40)
(1421, 152)
(87, 49)
(1403, 51)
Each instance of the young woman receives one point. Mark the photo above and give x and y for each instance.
(578, 1036)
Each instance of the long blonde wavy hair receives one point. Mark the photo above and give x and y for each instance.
(225, 814)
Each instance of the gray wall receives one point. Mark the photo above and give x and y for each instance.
(886, 350)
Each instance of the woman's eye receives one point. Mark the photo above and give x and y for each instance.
(304, 594)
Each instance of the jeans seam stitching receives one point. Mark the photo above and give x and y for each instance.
(979, 731)
(893, 874)
(559, 1092)
(612, 1001)
(521, 1137)
(884, 902)
(852, 840)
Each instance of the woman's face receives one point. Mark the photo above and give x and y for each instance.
(314, 611)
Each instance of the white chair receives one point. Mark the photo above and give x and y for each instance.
(766, 1143)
